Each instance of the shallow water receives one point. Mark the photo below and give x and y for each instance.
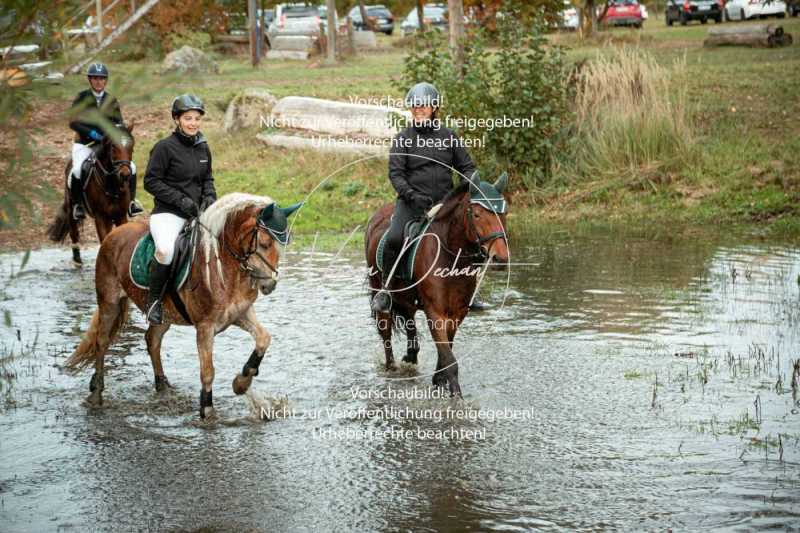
(647, 385)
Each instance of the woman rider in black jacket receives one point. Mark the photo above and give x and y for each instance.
(180, 178)
(421, 163)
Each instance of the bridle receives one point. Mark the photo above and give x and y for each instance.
(253, 250)
(116, 166)
(478, 241)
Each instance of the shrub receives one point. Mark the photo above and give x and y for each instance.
(630, 118)
(523, 78)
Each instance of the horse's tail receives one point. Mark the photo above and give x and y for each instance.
(58, 229)
(86, 352)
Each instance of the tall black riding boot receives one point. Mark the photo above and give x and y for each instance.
(76, 199)
(159, 274)
(135, 208)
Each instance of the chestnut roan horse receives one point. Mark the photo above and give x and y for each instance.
(468, 228)
(106, 189)
(236, 258)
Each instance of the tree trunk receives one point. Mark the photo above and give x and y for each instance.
(455, 9)
(421, 15)
(331, 59)
(763, 35)
(364, 18)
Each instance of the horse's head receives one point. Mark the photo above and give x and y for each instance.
(118, 144)
(259, 240)
(486, 217)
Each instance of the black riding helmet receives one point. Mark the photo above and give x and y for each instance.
(97, 70)
(187, 102)
(423, 94)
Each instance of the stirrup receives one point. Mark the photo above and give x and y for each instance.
(135, 209)
(78, 212)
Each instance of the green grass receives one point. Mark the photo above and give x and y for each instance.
(744, 166)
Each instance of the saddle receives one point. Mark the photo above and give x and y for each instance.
(145, 251)
(412, 230)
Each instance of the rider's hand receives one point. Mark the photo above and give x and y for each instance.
(206, 202)
(188, 207)
(95, 135)
(421, 201)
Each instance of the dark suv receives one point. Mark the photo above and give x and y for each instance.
(686, 10)
(382, 19)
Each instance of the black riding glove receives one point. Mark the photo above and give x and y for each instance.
(420, 201)
(188, 207)
(206, 202)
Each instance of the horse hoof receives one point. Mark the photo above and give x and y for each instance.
(410, 359)
(455, 391)
(208, 414)
(95, 399)
(241, 384)
(439, 380)
(162, 384)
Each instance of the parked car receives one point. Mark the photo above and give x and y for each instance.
(435, 16)
(569, 17)
(748, 9)
(624, 13)
(381, 18)
(685, 10)
(295, 19)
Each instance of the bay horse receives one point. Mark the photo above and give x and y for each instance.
(235, 260)
(106, 189)
(468, 225)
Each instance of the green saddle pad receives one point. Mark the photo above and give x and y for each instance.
(140, 264)
(405, 268)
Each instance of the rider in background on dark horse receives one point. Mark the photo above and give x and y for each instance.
(421, 163)
(89, 136)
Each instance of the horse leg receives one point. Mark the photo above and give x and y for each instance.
(205, 350)
(443, 330)
(249, 323)
(103, 228)
(153, 339)
(75, 237)
(384, 323)
(110, 317)
(412, 342)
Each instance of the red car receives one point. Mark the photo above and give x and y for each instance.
(624, 13)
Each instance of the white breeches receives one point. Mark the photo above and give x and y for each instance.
(80, 152)
(165, 228)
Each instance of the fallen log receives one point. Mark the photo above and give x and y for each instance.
(760, 36)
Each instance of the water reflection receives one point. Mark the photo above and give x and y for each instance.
(658, 375)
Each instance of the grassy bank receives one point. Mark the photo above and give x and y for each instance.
(742, 165)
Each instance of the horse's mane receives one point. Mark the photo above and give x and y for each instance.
(214, 219)
(452, 200)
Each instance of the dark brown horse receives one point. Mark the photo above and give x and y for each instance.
(106, 188)
(237, 258)
(468, 229)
